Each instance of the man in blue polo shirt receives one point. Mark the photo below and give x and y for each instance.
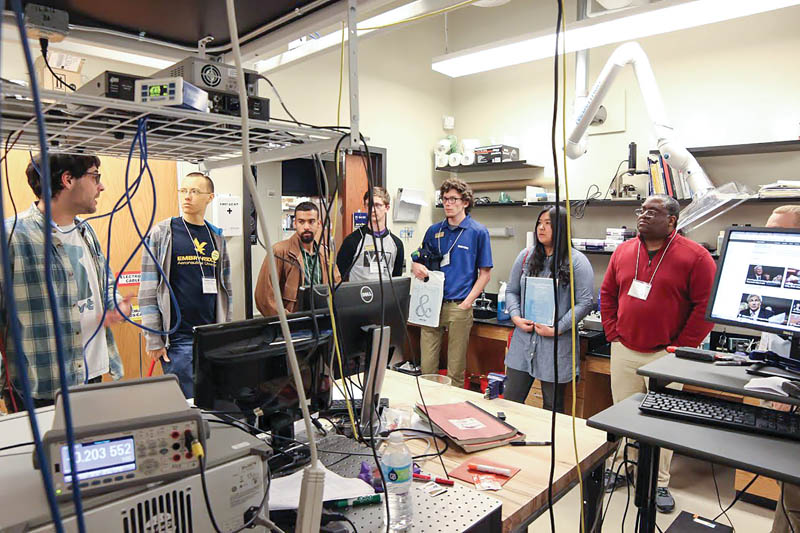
(459, 247)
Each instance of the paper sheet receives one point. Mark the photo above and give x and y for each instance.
(407, 205)
(285, 491)
(770, 385)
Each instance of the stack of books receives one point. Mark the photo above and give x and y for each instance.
(666, 180)
(780, 189)
(469, 426)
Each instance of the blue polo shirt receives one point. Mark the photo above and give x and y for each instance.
(470, 251)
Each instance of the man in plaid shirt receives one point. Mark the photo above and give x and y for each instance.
(79, 273)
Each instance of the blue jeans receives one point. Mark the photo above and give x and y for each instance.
(180, 364)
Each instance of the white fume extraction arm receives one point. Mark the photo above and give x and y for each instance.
(708, 202)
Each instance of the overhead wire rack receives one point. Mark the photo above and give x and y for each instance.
(84, 124)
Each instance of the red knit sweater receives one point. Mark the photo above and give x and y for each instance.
(674, 312)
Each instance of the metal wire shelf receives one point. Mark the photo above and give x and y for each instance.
(94, 125)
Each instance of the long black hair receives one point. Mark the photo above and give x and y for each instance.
(536, 266)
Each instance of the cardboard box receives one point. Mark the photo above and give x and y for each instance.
(496, 153)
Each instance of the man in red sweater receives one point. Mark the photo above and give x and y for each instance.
(654, 294)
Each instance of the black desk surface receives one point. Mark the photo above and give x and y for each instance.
(773, 457)
(722, 378)
(590, 334)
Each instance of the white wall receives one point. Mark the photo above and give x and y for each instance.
(401, 102)
(731, 82)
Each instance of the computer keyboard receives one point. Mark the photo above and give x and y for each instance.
(340, 406)
(713, 411)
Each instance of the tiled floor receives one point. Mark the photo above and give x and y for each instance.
(692, 487)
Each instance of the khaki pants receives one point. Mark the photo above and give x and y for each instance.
(791, 501)
(458, 323)
(624, 383)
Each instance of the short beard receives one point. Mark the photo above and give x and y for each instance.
(306, 239)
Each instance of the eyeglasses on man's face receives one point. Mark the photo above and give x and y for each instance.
(647, 213)
(451, 199)
(95, 176)
(191, 192)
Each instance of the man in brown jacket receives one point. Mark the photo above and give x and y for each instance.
(299, 259)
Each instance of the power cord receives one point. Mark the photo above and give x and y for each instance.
(43, 43)
(556, 263)
(52, 300)
(719, 500)
(738, 496)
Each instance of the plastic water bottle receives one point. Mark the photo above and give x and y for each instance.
(501, 303)
(396, 465)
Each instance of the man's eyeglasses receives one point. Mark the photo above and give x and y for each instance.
(451, 199)
(191, 192)
(95, 176)
(646, 213)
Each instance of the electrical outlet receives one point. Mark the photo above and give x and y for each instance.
(44, 22)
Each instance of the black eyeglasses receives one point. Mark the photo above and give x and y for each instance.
(95, 175)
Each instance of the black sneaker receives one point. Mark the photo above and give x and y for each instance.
(612, 480)
(665, 503)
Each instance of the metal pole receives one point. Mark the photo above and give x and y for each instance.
(352, 67)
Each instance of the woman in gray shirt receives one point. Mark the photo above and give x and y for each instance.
(530, 355)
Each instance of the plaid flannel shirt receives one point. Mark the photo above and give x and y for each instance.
(26, 254)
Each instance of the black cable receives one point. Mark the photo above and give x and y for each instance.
(374, 369)
(719, 500)
(785, 512)
(249, 523)
(555, 264)
(738, 496)
(579, 207)
(355, 529)
(628, 487)
(43, 43)
(19, 445)
(614, 177)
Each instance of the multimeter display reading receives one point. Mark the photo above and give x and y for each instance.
(100, 458)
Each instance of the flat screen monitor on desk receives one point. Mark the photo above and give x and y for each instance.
(757, 285)
(242, 367)
(357, 305)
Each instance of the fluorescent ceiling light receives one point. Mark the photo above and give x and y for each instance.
(115, 55)
(662, 17)
(310, 47)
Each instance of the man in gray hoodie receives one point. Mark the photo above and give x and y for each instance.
(194, 260)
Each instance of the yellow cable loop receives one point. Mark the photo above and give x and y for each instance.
(571, 266)
(420, 17)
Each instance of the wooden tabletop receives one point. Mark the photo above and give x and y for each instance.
(525, 495)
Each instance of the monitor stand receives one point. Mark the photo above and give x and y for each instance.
(376, 371)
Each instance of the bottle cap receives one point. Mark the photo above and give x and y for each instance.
(395, 437)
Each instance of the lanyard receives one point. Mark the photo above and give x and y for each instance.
(638, 250)
(196, 251)
(439, 239)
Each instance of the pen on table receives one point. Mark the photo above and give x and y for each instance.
(490, 469)
(353, 502)
(530, 443)
(439, 480)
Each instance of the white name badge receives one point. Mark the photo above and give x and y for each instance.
(209, 285)
(639, 289)
(373, 267)
(445, 260)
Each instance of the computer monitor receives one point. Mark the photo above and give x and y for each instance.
(242, 367)
(757, 284)
(357, 305)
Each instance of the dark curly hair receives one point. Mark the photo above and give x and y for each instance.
(76, 165)
(455, 184)
(558, 217)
